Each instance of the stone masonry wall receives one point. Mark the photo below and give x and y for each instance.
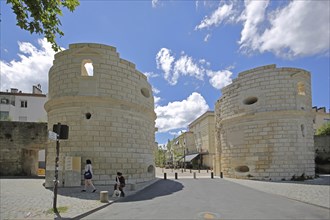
(19, 146)
(264, 124)
(110, 114)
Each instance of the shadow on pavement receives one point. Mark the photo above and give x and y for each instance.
(159, 188)
(58, 216)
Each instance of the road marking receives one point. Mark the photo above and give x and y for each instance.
(208, 215)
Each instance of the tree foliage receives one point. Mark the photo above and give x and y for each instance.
(324, 129)
(42, 16)
(160, 157)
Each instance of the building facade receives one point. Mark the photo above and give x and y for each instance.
(109, 108)
(203, 129)
(25, 107)
(185, 149)
(264, 125)
(196, 147)
(321, 117)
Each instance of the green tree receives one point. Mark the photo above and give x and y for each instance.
(160, 157)
(324, 129)
(42, 16)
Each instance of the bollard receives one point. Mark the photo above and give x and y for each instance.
(164, 176)
(221, 175)
(211, 175)
(104, 196)
(181, 170)
(194, 175)
(190, 170)
(176, 176)
(199, 170)
(207, 170)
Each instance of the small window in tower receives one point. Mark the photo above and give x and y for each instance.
(250, 100)
(88, 115)
(242, 169)
(145, 92)
(301, 88)
(87, 68)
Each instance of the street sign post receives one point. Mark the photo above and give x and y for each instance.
(59, 132)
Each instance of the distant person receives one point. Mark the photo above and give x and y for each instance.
(120, 183)
(88, 175)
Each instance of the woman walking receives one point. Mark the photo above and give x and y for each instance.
(88, 175)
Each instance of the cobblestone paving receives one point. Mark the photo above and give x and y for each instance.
(315, 191)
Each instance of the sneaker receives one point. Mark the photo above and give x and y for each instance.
(83, 190)
(94, 190)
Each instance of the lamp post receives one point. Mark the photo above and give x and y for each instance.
(184, 159)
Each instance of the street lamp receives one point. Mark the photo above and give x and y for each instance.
(184, 158)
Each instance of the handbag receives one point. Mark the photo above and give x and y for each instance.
(88, 174)
(116, 193)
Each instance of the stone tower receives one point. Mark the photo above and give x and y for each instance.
(264, 125)
(109, 108)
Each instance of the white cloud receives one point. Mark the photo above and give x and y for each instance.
(156, 100)
(151, 75)
(177, 133)
(218, 16)
(187, 66)
(31, 69)
(155, 3)
(196, 4)
(204, 62)
(219, 79)
(164, 61)
(253, 16)
(155, 90)
(180, 114)
(288, 29)
(299, 29)
(207, 37)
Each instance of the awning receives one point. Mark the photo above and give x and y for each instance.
(189, 158)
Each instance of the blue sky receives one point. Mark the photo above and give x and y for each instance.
(188, 49)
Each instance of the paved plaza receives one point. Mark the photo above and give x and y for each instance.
(27, 198)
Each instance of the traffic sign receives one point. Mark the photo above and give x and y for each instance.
(52, 135)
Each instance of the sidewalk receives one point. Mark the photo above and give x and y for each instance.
(28, 199)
